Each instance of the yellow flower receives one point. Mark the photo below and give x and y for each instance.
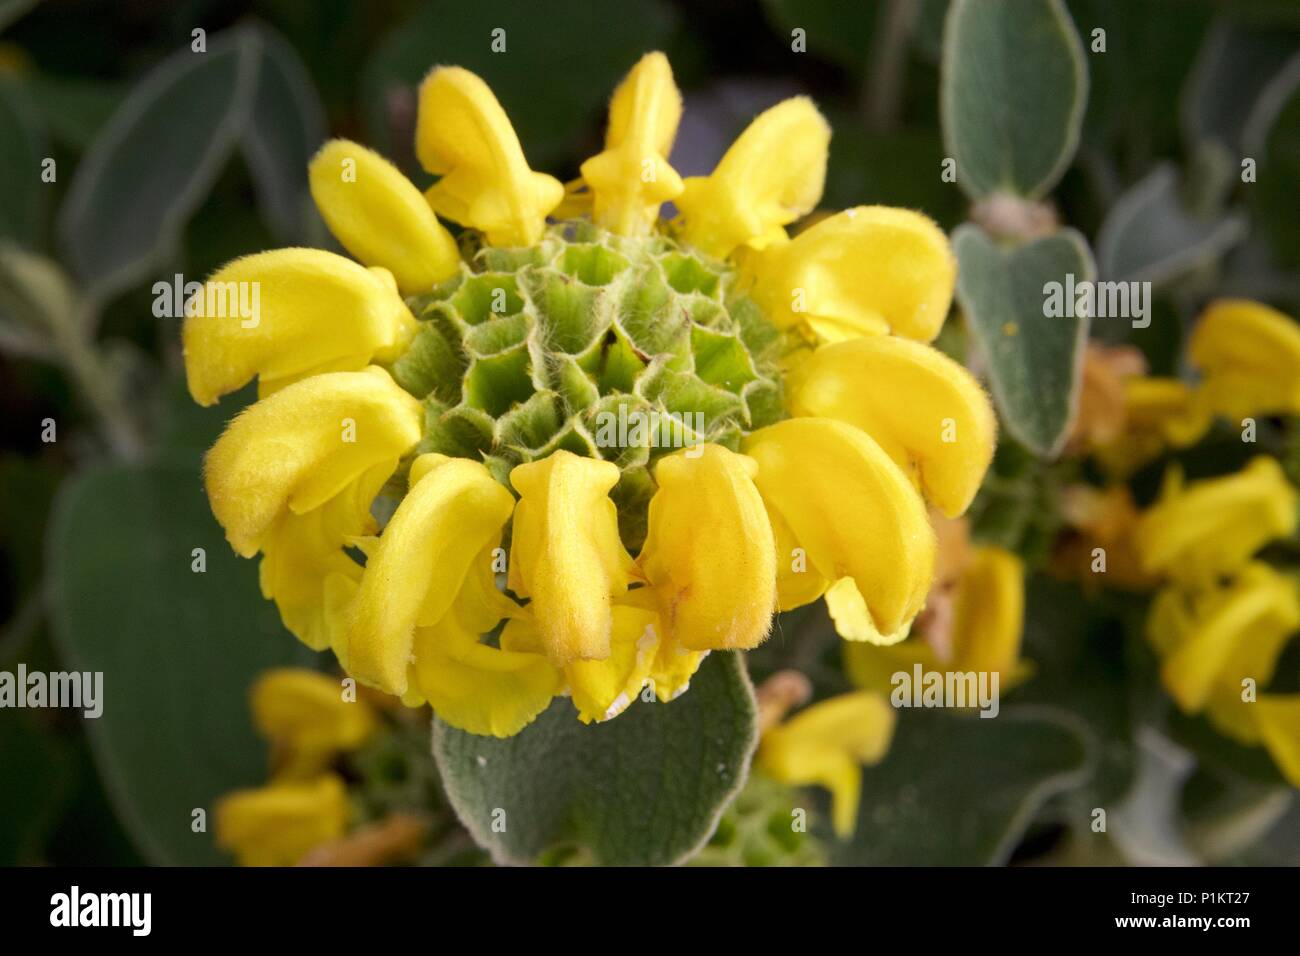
(829, 482)
(462, 134)
(294, 475)
(1220, 645)
(567, 555)
(872, 270)
(459, 386)
(306, 717)
(771, 175)
(1249, 357)
(277, 825)
(316, 312)
(631, 178)
(1213, 526)
(380, 217)
(926, 411)
(827, 744)
(426, 596)
(973, 623)
(710, 556)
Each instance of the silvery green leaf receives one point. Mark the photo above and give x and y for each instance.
(1013, 90)
(1034, 359)
(1150, 235)
(155, 161)
(645, 788)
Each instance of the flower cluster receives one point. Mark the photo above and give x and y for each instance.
(1223, 612)
(420, 474)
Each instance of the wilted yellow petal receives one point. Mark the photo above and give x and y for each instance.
(380, 217)
(926, 411)
(1213, 526)
(709, 553)
(287, 314)
(988, 618)
(1249, 355)
(278, 824)
(463, 135)
(771, 175)
(827, 744)
(852, 509)
(1278, 718)
(864, 271)
(601, 690)
(565, 552)
(452, 512)
(631, 178)
(295, 450)
(306, 711)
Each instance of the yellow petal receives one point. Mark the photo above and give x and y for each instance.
(306, 711)
(864, 271)
(287, 314)
(709, 552)
(566, 554)
(872, 667)
(1226, 635)
(601, 690)
(453, 511)
(826, 744)
(1249, 355)
(988, 619)
(797, 581)
(295, 450)
(278, 824)
(1214, 526)
(477, 688)
(771, 175)
(304, 568)
(1278, 718)
(926, 411)
(463, 135)
(848, 611)
(380, 217)
(1168, 407)
(852, 509)
(631, 178)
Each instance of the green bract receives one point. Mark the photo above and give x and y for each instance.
(606, 346)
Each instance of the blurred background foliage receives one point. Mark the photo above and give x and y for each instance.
(169, 163)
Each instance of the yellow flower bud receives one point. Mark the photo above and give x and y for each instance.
(305, 713)
(380, 217)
